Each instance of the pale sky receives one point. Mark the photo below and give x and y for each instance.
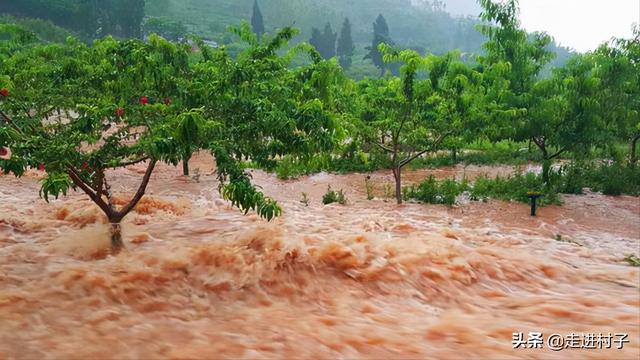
(581, 24)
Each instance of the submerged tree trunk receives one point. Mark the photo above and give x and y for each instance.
(397, 175)
(101, 189)
(185, 166)
(117, 245)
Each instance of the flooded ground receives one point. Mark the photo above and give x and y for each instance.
(366, 280)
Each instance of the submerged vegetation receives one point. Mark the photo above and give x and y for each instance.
(78, 111)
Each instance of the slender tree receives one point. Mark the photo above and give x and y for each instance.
(324, 42)
(329, 38)
(317, 40)
(257, 23)
(380, 36)
(519, 57)
(345, 45)
(409, 117)
(618, 65)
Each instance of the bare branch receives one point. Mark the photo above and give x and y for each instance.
(139, 194)
(133, 162)
(383, 147)
(97, 199)
(560, 152)
(431, 148)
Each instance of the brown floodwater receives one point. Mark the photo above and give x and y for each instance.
(367, 280)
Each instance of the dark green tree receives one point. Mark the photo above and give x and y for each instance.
(518, 57)
(380, 36)
(329, 38)
(316, 39)
(324, 42)
(345, 45)
(257, 23)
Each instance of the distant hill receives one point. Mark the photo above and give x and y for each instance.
(415, 25)
(421, 24)
(429, 26)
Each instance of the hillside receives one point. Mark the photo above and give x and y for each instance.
(419, 24)
(424, 25)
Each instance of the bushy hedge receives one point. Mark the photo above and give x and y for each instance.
(609, 179)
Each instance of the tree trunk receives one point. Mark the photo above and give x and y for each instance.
(546, 161)
(633, 158)
(116, 238)
(546, 169)
(454, 155)
(397, 175)
(185, 166)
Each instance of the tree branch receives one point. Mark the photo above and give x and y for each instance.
(385, 148)
(557, 154)
(139, 194)
(95, 197)
(433, 146)
(133, 162)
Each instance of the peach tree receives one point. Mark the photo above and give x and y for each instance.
(261, 108)
(79, 112)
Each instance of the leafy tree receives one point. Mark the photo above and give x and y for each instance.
(345, 45)
(618, 66)
(261, 109)
(257, 23)
(519, 57)
(380, 36)
(80, 112)
(564, 114)
(317, 40)
(324, 42)
(410, 117)
(329, 42)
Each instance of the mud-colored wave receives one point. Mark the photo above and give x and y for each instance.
(369, 280)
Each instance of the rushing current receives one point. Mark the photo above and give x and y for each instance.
(367, 280)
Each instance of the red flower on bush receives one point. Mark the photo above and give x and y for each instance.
(4, 92)
(40, 167)
(3, 151)
(119, 112)
(144, 100)
(167, 101)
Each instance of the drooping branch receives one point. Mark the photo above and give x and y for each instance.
(139, 194)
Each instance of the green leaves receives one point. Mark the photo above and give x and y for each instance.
(244, 196)
(55, 185)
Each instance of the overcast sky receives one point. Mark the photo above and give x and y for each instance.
(581, 24)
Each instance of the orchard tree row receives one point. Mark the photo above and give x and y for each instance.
(80, 111)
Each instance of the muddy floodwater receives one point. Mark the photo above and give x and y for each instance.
(367, 280)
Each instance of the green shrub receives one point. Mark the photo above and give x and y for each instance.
(612, 178)
(432, 191)
(334, 197)
(514, 188)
